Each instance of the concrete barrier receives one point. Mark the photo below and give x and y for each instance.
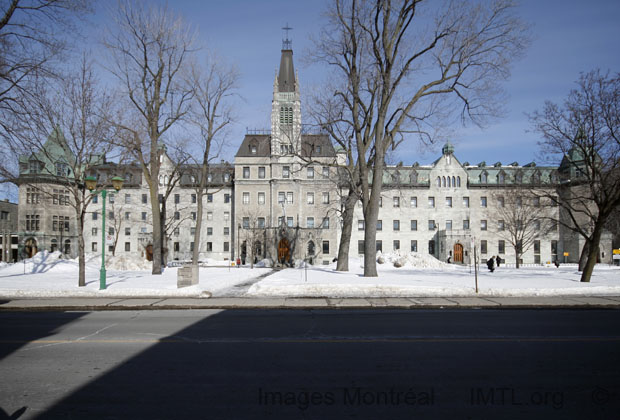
(187, 276)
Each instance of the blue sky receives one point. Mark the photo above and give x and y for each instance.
(569, 37)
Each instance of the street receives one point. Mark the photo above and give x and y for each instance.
(311, 364)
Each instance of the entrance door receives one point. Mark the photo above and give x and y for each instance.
(30, 247)
(149, 253)
(284, 253)
(458, 253)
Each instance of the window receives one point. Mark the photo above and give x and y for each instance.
(484, 178)
(226, 177)
(448, 201)
(379, 246)
(536, 247)
(286, 172)
(501, 225)
(176, 231)
(226, 198)
(483, 225)
(501, 247)
(177, 215)
(361, 225)
(111, 215)
(414, 202)
(431, 202)
(261, 172)
(414, 225)
(448, 224)
(246, 198)
(261, 198)
(289, 197)
(253, 149)
(210, 198)
(143, 229)
(246, 222)
(176, 247)
(127, 215)
(94, 231)
(396, 201)
(326, 198)
(111, 231)
(537, 225)
(209, 216)
(310, 172)
(226, 230)
(466, 202)
(431, 225)
(310, 198)
(209, 231)
(261, 222)
(500, 201)
(554, 250)
(93, 246)
(466, 224)
(396, 245)
(289, 221)
(144, 198)
(483, 201)
(226, 215)
(325, 247)
(281, 197)
(193, 215)
(246, 172)
(226, 246)
(325, 224)
(536, 201)
(193, 198)
(310, 222)
(127, 198)
(396, 224)
(438, 182)
(431, 247)
(326, 171)
(483, 246)
(127, 231)
(111, 198)
(191, 246)
(501, 178)
(143, 215)
(95, 215)
(95, 199)
(127, 246)
(519, 202)
(360, 247)
(414, 245)
(379, 224)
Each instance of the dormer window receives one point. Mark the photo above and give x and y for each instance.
(226, 177)
(318, 149)
(484, 178)
(519, 178)
(35, 166)
(209, 178)
(253, 149)
(501, 178)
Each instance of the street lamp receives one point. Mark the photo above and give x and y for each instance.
(91, 184)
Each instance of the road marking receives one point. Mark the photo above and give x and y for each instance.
(325, 340)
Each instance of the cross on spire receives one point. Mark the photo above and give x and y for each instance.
(287, 44)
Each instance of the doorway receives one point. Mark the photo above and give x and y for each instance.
(284, 252)
(458, 253)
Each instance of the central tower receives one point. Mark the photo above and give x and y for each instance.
(286, 105)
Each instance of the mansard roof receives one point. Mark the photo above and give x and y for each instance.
(262, 143)
(316, 145)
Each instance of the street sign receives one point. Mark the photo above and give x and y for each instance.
(109, 239)
(566, 254)
(616, 251)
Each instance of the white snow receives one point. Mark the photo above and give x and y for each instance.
(48, 275)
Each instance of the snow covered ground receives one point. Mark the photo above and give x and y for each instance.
(46, 275)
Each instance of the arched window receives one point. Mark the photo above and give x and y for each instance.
(484, 178)
(438, 181)
(311, 248)
(458, 181)
(443, 181)
(449, 183)
(67, 246)
(413, 178)
(453, 181)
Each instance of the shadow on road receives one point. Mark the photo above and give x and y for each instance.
(356, 364)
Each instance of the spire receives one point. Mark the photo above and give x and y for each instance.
(286, 76)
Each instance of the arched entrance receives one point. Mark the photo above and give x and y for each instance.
(284, 251)
(149, 252)
(311, 251)
(54, 245)
(67, 247)
(458, 253)
(30, 247)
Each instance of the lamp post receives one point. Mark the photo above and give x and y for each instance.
(239, 245)
(91, 184)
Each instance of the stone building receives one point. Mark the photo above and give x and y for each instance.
(280, 199)
(8, 232)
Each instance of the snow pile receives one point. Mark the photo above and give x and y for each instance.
(415, 260)
(264, 263)
(126, 263)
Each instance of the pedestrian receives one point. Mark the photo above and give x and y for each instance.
(557, 264)
(449, 259)
(491, 264)
(498, 261)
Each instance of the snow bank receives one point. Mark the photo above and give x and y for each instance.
(414, 260)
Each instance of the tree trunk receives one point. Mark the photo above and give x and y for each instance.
(584, 255)
(347, 228)
(592, 253)
(197, 232)
(164, 242)
(371, 214)
(516, 259)
(156, 232)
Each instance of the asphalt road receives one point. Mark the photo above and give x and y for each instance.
(310, 364)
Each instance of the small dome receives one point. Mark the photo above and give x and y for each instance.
(448, 149)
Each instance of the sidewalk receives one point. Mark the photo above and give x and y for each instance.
(98, 304)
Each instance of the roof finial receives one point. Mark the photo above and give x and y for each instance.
(287, 44)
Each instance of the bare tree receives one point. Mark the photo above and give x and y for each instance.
(75, 111)
(522, 219)
(584, 134)
(215, 88)
(400, 69)
(151, 50)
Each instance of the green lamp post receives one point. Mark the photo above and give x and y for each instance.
(91, 184)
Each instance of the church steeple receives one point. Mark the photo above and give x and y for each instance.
(286, 104)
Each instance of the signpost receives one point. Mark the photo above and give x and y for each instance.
(566, 254)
